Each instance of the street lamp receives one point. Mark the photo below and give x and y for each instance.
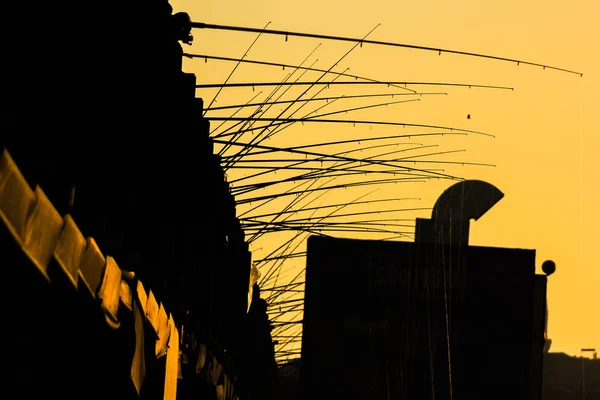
(583, 370)
(548, 267)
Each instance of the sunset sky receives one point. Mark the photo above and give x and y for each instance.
(546, 149)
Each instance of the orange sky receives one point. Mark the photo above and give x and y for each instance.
(546, 147)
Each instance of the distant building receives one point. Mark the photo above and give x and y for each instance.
(435, 319)
(563, 377)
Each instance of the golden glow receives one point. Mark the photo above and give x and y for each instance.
(546, 149)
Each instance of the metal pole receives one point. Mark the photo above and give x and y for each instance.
(583, 370)
(582, 376)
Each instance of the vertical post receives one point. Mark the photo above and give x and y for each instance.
(583, 370)
(537, 336)
(582, 377)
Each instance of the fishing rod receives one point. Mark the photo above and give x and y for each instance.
(334, 205)
(262, 231)
(286, 285)
(284, 66)
(373, 233)
(290, 308)
(237, 65)
(364, 213)
(257, 186)
(394, 237)
(322, 89)
(341, 186)
(282, 352)
(340, 227)
(300, 162)
(287, 290)
(202, 25)
(289, 76)
(269, 133)
(259, 109)
(270, 299)
(271, 95)
(310, 86)
(354, 122)
(286, 301)
(322, 174)
(287, 347)
(287, 123)
(320, 219)
(288, 352)
(294, 255)
(291, 203)
(289, 206)
(239, 108)
(367, 160)
(330, 171)
(331, 213)
(265, 281)
(402, 150)
(238, 134)
(314, 174)
(254, 85)
(346, 110)
(268, 201)
(341, 142)
(320, 230)
(371, 229)
(268, 106)
(297, 310)
(375, 222)
(277, 266)
(281, 325)
(281, 128)
(285, 336)
(324, 156)
(287, 323)
(279, 263)
(248, 152)
(326, 159)
(276, 296)
(275, 314)
(292, 340)
(357, 96)
(342, 158)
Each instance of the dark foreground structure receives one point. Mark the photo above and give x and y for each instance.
(105, 152)
(570, 378)
(434, 319)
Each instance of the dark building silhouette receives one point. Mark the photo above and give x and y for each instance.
(566, 377)
(289, 379)
(98, 112)
(433, 319)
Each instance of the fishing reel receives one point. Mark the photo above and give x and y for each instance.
(181, 27)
